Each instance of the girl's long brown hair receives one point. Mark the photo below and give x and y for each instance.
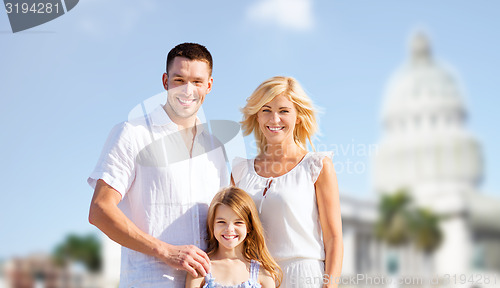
(254, 245)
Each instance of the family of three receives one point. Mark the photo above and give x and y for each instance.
(163, 192)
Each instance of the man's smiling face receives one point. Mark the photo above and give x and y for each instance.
(187, 83)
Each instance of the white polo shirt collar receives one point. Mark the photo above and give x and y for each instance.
(159, 117)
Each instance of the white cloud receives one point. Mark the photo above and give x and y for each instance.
(290, 14)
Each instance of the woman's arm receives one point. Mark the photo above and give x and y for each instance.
(327, 195)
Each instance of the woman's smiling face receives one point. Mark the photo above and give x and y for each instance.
(277, 120)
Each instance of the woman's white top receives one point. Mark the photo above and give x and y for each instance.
(288, 211)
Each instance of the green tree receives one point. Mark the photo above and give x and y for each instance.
(84, 249)
(400, 223)
(426, 231)
(393, 226)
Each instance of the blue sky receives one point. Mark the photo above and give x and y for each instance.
(64, 84)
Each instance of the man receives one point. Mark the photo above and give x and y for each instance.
(156, 177)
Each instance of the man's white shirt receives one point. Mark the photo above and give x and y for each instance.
(164, 190)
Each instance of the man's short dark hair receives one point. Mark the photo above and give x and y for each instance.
(191, 51)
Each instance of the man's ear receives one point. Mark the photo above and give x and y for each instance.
(165, 81)
(210, 83)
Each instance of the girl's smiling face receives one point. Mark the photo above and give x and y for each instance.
(229, 229)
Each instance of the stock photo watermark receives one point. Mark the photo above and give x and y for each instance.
(26, 14)
(350, 158)
(384, 280)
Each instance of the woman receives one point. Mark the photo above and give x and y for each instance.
(296, 191)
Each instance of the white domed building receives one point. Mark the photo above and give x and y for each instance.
(426, 149)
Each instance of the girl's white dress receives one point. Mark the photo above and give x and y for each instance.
(289, 214)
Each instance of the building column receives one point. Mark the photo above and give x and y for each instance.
(454, 254)
(349, 261)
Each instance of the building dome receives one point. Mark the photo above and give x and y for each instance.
(425, 143)
(422, 92)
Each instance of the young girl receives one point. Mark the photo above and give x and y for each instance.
(236, 247)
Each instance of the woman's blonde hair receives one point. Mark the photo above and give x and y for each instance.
(306, 125)
(254, 245)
